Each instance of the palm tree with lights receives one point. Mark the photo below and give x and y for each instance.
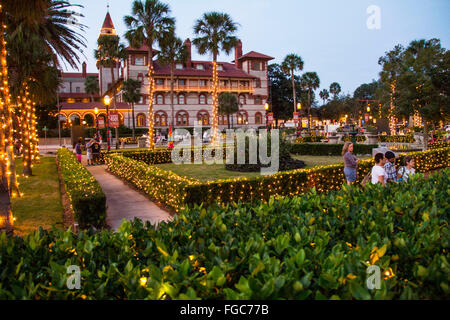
(290, 65)
(215, 32)
(149, 20)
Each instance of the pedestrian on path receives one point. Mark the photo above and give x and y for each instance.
(351, 163)
(406, 171)
(378, 173)
(78, 150)
(89, 155)
(96, 148)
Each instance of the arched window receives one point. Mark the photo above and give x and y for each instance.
(258, 118)
(202, 99)
(242, 117)
(203, 117)
(159, 99)
(242, 99)
(223, 120)
(160, 119)
(182, 118)
(181, 99)
(141, 120)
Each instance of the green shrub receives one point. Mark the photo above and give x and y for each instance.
(85, 194)
(310, 139)
(312, 149)
(309, 247)
(399, 139)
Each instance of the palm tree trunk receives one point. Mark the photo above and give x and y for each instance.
(228, 120)
(115, 107)
(215, 122)
(309, 109)
(132, 116)
(151, 87)
(172, 66)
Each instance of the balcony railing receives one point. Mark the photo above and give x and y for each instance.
(222, 88)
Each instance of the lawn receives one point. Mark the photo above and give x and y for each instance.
(40, 205)
(204, 172)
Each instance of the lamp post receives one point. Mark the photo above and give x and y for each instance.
(96, 121)
(267, 107)
(107, 102)
(299, 108)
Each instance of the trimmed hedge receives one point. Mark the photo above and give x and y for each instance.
(309, 247)
(181, 191)
(85, 194)
(311, 139)
(312, 149)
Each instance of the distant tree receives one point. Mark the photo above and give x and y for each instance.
(91, 86)
(335, 89)
(324, 95)
(228, 105)
(367, 91)
(132, 95)
(290, 65)
(310, 81)
(172, 52)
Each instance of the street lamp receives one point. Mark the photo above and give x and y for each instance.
(96, 121)
(107, 102)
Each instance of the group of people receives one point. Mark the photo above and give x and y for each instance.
(384, 170)
(93, 148)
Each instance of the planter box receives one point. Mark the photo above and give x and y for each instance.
(333, 139)
(372, 138)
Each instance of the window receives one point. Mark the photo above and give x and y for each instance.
(258, 118)
(159, 99)
(242, 99)
(182, 118)
(140, 77)
(141, 120)
(179, 66)
(160, 119)
(223, 120)
(160, 82)
(258, 100)
(181, 82)
(242, 117)
(181, 99)
(77, 90)
(256, 65)
(202, 83)
(258, 83)
(200, 67)
(203, 117)
(220, 67)
(202, 99)
(139, 60)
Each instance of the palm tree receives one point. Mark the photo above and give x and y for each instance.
(53, 21)
(172, 52)
(215, 33)
(311, 82)
(91, 86)
(132, 94)
(148, 21)
(109, 54)
(292, 63)
(228, 105)
(335, 89)
(324, 95)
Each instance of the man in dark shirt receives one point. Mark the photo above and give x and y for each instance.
(96, 152)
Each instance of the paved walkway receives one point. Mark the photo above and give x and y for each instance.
(124, 202)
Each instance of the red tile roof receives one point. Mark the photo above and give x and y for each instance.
(76, 95)
(77, 75)
(108, 24)
(91, 106)
(255, 55)
(229, 71)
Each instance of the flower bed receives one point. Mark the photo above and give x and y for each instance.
(399, 139)
(85, 194)
(309, 247)
(178, 192)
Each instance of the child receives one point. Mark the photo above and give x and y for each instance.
(89, 155)
(389, 167)
(407, 171)
(378, 173)
(78, 150)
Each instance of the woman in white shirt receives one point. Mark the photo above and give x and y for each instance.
(378, 173)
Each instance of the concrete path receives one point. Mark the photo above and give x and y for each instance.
(124, 202)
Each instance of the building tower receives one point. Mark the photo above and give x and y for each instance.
(105, 76)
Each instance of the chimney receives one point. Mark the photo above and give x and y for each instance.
(84, 70)
(188, 46)
(238, 54)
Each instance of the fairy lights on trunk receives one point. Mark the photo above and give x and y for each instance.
(392, 120)
(215, 109)
(151, 91)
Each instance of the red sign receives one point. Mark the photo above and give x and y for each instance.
(296, 115)
(367, 117)
(114, 119)
(270, 118)
(101, 123)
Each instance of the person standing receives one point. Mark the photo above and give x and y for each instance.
(389, 167)
(378, 173)
(96, 152)
(351, 163)
(89, 155)
(78, 150)
(406, 171)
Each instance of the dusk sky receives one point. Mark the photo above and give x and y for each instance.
(331, 36)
